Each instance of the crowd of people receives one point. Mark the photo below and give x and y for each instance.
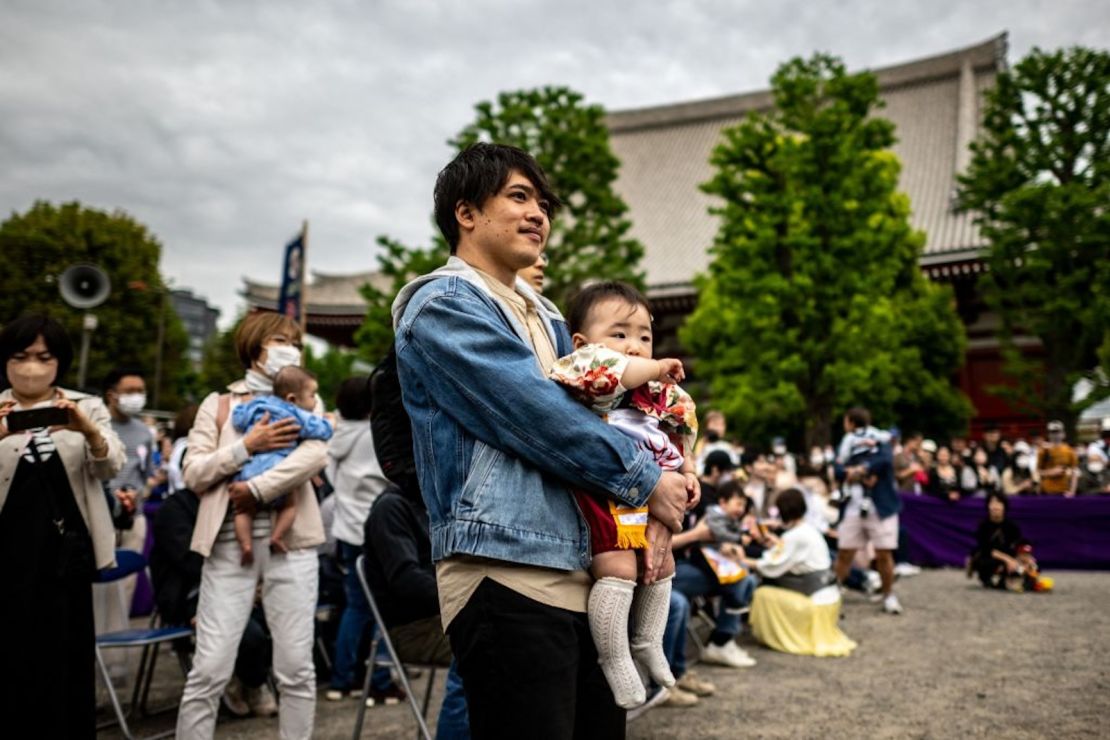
(525, 489)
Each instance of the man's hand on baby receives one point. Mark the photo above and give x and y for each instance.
(668, 501)
(671, 371)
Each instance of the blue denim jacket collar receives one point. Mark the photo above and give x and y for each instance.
(455, 266)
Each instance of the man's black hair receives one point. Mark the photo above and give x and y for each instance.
(791, 504)
(353, 399)
(718, 459)
(859, 417)
(21, 333)
(579, 306)
(116, 374)
(476, 174)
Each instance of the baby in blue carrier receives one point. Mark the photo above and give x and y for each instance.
(293, 396)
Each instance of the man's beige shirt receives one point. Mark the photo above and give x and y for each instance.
(459, 576)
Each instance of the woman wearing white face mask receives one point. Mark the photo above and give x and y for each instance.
(55, 532)
(265, 343)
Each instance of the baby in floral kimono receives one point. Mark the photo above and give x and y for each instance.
(612, 371)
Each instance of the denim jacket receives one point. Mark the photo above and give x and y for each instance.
(498, 446)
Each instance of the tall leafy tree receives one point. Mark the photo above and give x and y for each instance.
(589, 239)
(40, 244)
(813, 301)
(1039, 183)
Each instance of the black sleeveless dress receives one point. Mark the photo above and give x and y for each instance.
(47, 635)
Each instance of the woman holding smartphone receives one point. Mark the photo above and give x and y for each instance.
(55, 530)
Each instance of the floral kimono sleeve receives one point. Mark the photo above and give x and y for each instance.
(673, 407)
(593, 375)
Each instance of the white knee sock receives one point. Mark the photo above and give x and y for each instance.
(649, 622)
(610, 603)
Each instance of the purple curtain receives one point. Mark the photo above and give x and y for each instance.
(1065, 533)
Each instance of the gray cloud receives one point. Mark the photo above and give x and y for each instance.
(222, 124)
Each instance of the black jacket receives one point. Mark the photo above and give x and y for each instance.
(398, 553)
(174, 568)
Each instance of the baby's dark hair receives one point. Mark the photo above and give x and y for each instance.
(580, 305)
(734, 489)
(291, 379)
(791, 504)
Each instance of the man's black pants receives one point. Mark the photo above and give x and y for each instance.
(530, 670)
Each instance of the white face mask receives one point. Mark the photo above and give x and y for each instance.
(1096, 466)
(817, 461)
(280, 356)
(31, 377)
(131, 403)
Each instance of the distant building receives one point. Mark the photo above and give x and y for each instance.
(336, 308)
(936, 106)
(199, 319)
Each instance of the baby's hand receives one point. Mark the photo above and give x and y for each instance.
(693, 490)
(671, 371)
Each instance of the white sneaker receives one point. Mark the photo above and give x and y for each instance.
(233, 698)
(730, 654)
(261, 701)
(891, 605)
(906, 570)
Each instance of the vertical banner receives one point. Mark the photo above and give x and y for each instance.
(291, 299)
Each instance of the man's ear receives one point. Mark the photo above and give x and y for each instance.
(465, 214)
(579, 340)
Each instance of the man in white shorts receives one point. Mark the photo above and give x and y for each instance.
(871, 515)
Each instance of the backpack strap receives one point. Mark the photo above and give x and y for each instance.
(222, 411)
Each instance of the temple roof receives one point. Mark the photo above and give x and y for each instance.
(335, 295)
(935, 104)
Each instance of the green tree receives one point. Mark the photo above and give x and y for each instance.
(220, 364)
(1039, 183)
(589, 239)
(40, 244)
(331, 368)
(814, 301)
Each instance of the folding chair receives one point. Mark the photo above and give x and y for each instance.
(394, 662)
(128, 562)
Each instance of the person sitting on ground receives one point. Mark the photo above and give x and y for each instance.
(293, 397)
(612, 371)
(695, 576)
(996, 541)
(796, 610)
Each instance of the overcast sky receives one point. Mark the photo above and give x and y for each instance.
(221, 125)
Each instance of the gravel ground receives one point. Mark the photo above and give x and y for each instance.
(960, 662)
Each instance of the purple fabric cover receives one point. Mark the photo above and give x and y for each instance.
(1069, 533)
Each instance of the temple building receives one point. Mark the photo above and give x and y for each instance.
(936, 105)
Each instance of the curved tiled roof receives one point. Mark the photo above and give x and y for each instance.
(324, 295)
(664, 151)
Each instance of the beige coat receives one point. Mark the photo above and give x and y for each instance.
(216, 455)
(84, 471)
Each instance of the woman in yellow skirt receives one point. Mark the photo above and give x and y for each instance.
(797, 609)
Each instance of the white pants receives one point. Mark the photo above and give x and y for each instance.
(289, 592)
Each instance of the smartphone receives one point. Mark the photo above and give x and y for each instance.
(49, 416)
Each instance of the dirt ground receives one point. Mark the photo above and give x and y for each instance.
(960, 662)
